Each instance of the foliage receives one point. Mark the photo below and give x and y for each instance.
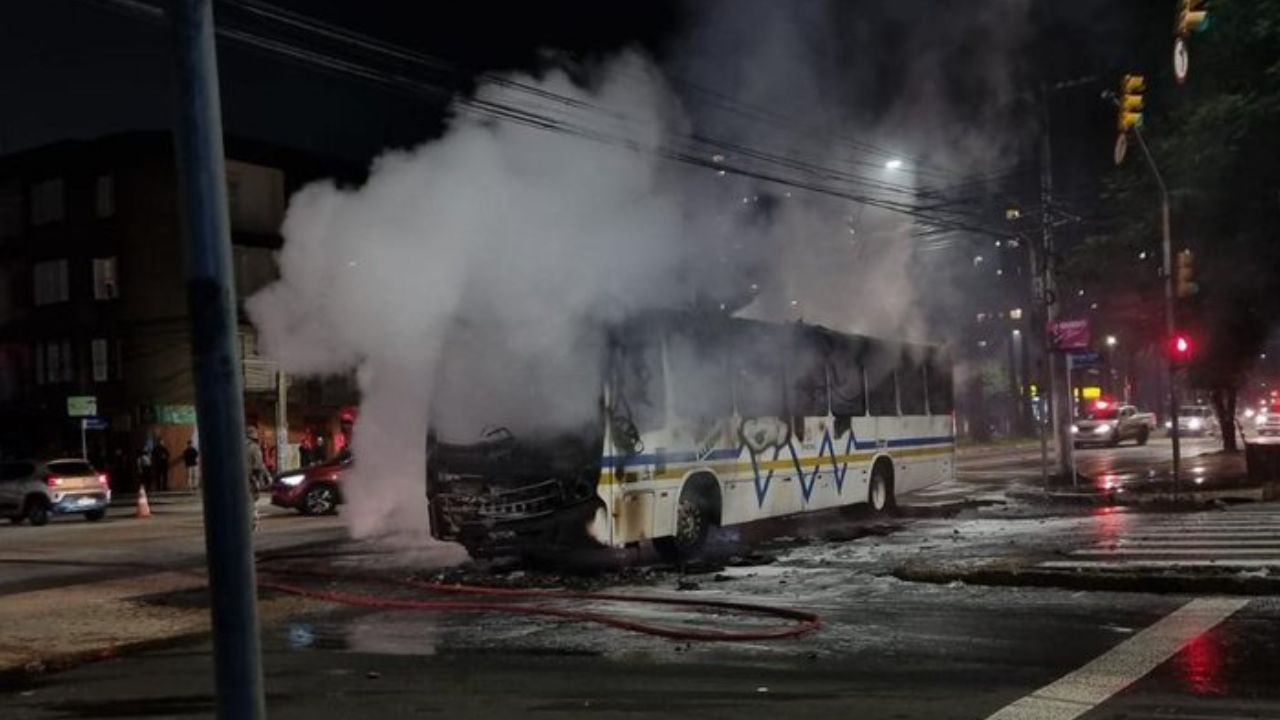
(1217, 142)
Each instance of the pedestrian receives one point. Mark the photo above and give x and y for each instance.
(255, 469)
(160, 464)
(191, 459)
(320, 452)
(304, 451)
(144, 469)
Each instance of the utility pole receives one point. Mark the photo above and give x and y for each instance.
(219, 396)
(282, 419)
(1059, 384)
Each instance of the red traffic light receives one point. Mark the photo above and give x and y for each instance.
(1180, 348)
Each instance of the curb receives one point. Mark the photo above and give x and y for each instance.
(1203, 583)
(1194, 499)
(19, 676)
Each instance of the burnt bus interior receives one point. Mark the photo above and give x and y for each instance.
(505, 487)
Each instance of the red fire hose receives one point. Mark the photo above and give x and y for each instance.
(803, 622)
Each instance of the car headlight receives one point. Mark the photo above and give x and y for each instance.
(1195, 423)
(1075, 429)
(1102, 429)
(1168, 423)
(1248, 413)
(292, 479)
(1260, 420)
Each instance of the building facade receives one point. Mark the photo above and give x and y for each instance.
(95, 346)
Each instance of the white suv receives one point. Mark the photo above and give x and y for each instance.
(33, 490)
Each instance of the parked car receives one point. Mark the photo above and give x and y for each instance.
(1267, 420)
(34, 490)
(313, 490)
(1195, 420)
(1107, 423)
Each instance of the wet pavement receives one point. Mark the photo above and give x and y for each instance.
(1115, 470)
(887, 648)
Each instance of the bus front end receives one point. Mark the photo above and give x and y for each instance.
(508, 495)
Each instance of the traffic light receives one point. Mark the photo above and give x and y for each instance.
(1131, 102)
(1180, 349)
(1185, 275)
(1192, 17)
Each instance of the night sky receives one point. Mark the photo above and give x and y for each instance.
(81, 68)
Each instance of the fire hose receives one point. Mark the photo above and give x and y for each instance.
(802, 621)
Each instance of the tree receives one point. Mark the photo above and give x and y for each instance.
(1216, 140)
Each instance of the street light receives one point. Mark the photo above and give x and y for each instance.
(893, 164)
(1111, 341)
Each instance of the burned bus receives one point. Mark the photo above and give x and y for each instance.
(687, 423)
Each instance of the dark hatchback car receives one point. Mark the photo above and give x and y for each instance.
(313, 490)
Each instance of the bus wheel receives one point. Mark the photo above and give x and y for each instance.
(695, 517)
(880, 493)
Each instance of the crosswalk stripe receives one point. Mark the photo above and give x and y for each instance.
(1192, 544)
(1194, 552)
(1139, 564)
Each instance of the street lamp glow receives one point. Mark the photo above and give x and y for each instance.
(1111, 341)
(893, 164)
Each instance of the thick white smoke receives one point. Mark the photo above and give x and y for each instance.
(497, 240)
(488, 249)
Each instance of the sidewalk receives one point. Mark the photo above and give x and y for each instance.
(159, 497)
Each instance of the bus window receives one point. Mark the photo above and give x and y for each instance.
(640, 384)
(700, 387)
(939, 381)
(882, 396)
(848, 395)
(807, 376)
(911, 385)
(757, 375)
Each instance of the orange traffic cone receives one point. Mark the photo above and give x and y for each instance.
(144, 508)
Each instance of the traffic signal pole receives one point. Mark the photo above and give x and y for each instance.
(1169, 324)
(233, 602)
(1059, 384)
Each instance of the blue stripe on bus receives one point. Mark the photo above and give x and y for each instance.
(617, 461)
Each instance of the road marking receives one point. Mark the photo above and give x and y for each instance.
(1079, 692)
(1186, 543)
(1195, 551)
(1189, 564)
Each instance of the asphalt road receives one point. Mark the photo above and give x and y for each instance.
(70, 550)
(887, 648)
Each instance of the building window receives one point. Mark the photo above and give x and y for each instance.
(105, 284)
(10, 211)
(46, 202)
(50, 282)
(54, 362)
(98, 350)
(105, 196)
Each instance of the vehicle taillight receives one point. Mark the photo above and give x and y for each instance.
(53, 481)
(103, 481)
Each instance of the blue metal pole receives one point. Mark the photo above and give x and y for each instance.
(219, 398)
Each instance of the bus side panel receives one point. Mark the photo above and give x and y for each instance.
(915, 458)
(857, 474)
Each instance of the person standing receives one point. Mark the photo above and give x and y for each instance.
(160, 464)
(144, 469)
(191, 459)
(255, 469)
